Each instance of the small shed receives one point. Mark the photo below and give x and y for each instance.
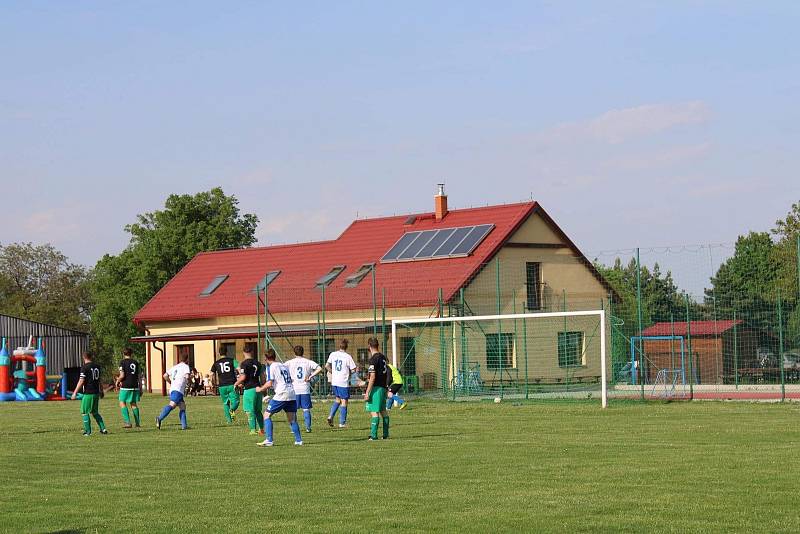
(62, 346)
(719, 349)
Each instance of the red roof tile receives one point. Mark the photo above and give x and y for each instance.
(698, 328)
(364, 241)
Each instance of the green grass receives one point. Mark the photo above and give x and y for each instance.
(467, 467)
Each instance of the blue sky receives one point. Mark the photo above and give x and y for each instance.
(633, 123)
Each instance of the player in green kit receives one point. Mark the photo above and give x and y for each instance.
(250, 378)
(375, 395)
(92, 390)
(223, 373)
(129, 388)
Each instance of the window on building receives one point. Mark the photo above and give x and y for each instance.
(252, 346)
(408, 356)
(319, 353)
(362, 359)
(570, 349)
(499, 351)
(533, 285)
(180, 350)
(354, 279)
(266, 281)
(214, 285)
(326, 280)
(229, 349)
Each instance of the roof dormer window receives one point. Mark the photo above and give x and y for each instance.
(354, 279)
(266, 281)
(326, 280)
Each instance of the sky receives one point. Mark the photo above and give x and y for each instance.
(633, 123)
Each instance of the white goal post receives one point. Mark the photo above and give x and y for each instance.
(601, 314)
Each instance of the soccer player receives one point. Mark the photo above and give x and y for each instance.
(92, 391)
(177, 377)
(250, 379)
(223, 374)
(375, 395)
(395, 385)
(129, 388)
(340, 365)
(279, 379)
(302, 370)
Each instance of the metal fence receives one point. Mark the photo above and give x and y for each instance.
(63, 347)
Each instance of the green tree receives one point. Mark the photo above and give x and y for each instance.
(161, 243)
(38, 283)
(787, 232)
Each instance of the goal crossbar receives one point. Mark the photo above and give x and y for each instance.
(511, 316)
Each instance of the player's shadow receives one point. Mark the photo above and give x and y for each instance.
(66, 531)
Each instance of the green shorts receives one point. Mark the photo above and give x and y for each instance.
(90, 403)
(252, 400)
(377, 400)
(129, 396)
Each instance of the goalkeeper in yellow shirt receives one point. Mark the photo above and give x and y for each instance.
(396, 384)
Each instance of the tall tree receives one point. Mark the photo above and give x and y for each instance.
(787, 231)
(38, 283)
(161, 243)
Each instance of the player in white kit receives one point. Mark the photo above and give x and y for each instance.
(177, 376)
(302, 370)
(340, 365)
(279, 379)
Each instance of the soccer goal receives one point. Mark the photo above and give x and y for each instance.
(512, 356)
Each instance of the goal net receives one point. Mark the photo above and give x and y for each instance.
(512, 356)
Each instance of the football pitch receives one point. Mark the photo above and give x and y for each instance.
(466, 467)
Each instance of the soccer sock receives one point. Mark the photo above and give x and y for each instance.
(334, 407)
(373, 427)
(307, 418)
(99, 419)
(343, 415)
(251, 420)
(260, 419)
(87, 423)
(136, 416)
(385, 427)
(296, 429)
(125, 415)
(227, 412)
(268, 428)
(182, 415)
(389, 403)
(164, 412)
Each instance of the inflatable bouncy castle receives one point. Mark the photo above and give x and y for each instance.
(23, 374)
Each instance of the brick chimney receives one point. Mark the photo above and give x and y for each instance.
(440, 201)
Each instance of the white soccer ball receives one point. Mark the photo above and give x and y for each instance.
(497, 400)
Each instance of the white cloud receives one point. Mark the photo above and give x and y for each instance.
(620, 125)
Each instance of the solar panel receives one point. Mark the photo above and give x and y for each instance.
(421, 240)
(444, 243)
(440, 237)
(215, 283)
(400, 246)
(266, 281)
(452, 242)
(471, 241)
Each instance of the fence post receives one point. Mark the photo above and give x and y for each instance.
(258, 324)
(374, 307)
(611, 335)
(689, 343)
(642, 376)
(780, 346)
(383, 316)
(324, 326)
(500, 347)
(442, 347)
(735, 349)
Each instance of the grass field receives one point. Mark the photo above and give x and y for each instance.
(467, 467)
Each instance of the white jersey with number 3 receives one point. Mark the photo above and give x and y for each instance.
(281, 381)
(342, 365)
(301, 368)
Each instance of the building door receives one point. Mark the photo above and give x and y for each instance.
(180, 350)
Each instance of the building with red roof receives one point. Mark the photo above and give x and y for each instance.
(409, 266)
